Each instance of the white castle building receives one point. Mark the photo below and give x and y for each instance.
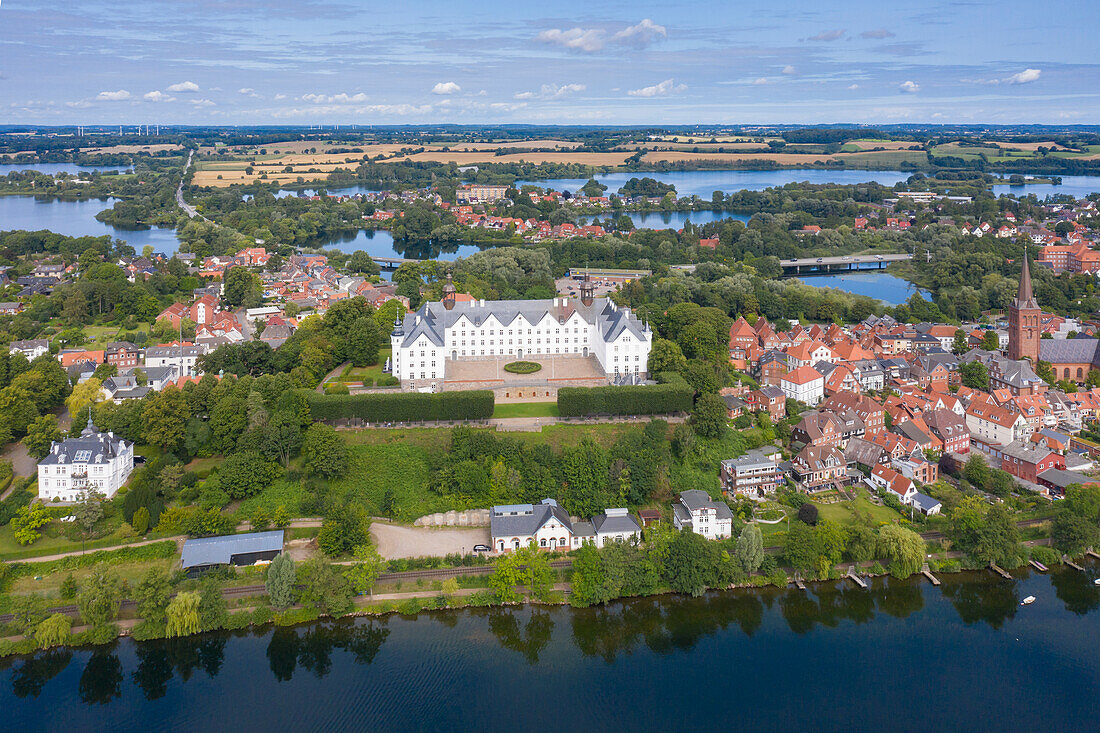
(100, 461)
(518, 329)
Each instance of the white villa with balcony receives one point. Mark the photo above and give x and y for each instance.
(100, 461)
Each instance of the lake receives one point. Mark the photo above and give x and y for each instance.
(54, 168)
(901, 656)
(77, 219)
(879, 284)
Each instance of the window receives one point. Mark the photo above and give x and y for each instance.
(82, 456)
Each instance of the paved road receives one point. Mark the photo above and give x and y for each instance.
(188, 209)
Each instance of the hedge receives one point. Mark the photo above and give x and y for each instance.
(675, 395)
(402, 406)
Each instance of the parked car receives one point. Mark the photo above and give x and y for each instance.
(482, 548)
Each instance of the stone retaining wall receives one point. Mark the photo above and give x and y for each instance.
(468, 518)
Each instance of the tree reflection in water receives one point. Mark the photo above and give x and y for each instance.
(31, 674)
(1076, 590)
(978, 599)
(101, 680)
(529, 641)
(311, 647)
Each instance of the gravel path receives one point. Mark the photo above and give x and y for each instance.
(395, 541)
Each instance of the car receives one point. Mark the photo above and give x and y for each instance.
(845, 258)
(879, 257)
(482, 548)
(793, 259)
(820, 260)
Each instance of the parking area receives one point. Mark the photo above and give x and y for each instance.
(396, 541)
(570, 287)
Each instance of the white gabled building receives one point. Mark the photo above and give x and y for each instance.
(701, 515)
(95, 460)
(517, 329)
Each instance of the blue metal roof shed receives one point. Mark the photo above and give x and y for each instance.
(235, 549)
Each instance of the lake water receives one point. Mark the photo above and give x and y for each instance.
(1076, 186)
(54, 168)
(880, 284)
(901, 656)
(77, 219)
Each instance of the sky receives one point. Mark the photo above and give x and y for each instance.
(648, 62)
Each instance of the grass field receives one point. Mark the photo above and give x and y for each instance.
(374, 372)
(50, 585)
(844, 512)
(526, 409)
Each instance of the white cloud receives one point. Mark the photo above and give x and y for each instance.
(552, 91)
(507, 106)
(248, 92)
(641, 35)
(663, 89)
(280, 96)
(909, 87)
(341, 98)
(203, 102)
(788, 70)
(877, 33)
(853, 87)
(184, 87)
(833, 35)
(1024, 77)
(760, 81)
(575, 39)
(446, 87)
(158, 96)
(118, 96)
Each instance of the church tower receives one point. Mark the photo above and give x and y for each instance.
(1023, 321)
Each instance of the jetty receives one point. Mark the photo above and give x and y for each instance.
(798, 582)
(1071, 563)
(1000, 571)
(1092, 553)
(854, 577)
(926, 572)
(1038, 565)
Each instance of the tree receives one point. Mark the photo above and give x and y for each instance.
(183, 617)
(101, 596)
(689, 567)
(523, 567)
(903, 547)
(977, 472)
(282, 437)
(709, 416)
(27, 521)
(985, 534)
(87, 393)
(975, 375)
(27, 611)
(990, 341)
(343, 529)
(212, 606)
(164, 418)
(750, 548)
(53, 631)
(449, 588)
(325, 452)
(801, 551)
(40, 434)
(323, 587)
(808, 513)
(246, 473)
(140, 521)
(862, 543)
(368, 566)
(960, 345)
(666, 356)
(152, 595)
(1072, 534)
(280, 581)
(240, 288)
(89, 510)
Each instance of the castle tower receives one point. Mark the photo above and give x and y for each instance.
(1023, 321)
(449, 293)
(587, 290)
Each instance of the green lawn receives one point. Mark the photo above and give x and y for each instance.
(359, 374)
(842, 512)
(526, 409)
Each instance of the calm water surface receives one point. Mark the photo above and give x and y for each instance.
(77, 219)
(54, 168)
(900, 656)
(879, 284)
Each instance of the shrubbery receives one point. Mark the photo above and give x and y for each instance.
(674, 395)
(403, 407)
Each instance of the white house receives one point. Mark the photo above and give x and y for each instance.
(517, 329)
(615, 525)
(701, 515)
(100, 461)
(546, 524)
(804, 384)
(184, 358)
(31, 349)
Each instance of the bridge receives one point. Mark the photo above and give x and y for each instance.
(847, 262)
(392, 263)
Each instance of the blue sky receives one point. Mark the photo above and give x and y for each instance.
(643, 62)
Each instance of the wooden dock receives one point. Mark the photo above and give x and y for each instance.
(799, 584)
(1072, 564)
(855, 578)
(928, 574)
(1093, 553)
(1038, 566)
(1000, 571)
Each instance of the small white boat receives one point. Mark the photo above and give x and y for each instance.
(1096, 582)
(1028, 601)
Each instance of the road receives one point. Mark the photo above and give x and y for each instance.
(188, 209)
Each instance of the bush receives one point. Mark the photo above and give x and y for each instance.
(403, 407)
(1045, 556)
(673, 396)
(522, 367)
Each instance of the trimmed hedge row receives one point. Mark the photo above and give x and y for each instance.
(403, 406)
(673, 396)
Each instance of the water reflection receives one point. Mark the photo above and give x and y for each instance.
(311, 647)
(1077, 591)
(101, 680)
(31, 674)
(529, 639)
(991, 602)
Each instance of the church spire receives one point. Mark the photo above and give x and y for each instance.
(1024, 296)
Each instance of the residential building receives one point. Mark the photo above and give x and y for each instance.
(753, 475)
(817, 468)
(546, 525)
(804, 384)
(122, 354)
(182, 356)
(32, 349)
(950, 428)
(616, 525)
(95, 460)
(696, 511)
(991, 424)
